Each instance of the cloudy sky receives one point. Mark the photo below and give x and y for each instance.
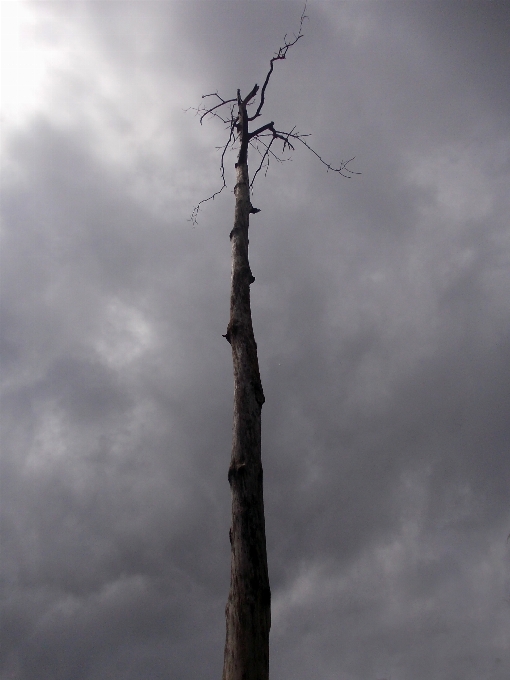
(381, 311)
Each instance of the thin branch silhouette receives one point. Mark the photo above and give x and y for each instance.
(259, 135)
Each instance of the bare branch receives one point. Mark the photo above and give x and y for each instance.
(264, 159)
(268, 153)
(238, 127)
(255, 133)
(281, 54)
(209, 111)
(196, 209)
(343, 164)
(251, 95)
(215, 94)
(285, 137)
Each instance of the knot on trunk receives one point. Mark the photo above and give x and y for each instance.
(235, 470)
(231, 331)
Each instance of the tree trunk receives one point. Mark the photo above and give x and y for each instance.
(248, 610)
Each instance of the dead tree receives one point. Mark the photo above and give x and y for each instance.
(248, 610)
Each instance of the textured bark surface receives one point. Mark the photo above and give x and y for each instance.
(248, 610)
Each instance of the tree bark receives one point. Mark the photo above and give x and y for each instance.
(248, 610)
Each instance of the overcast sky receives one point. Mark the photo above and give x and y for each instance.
(381, 310)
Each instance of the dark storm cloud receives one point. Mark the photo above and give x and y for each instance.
(84, 443)
(381, 314)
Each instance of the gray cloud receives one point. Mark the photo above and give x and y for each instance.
(381, 314)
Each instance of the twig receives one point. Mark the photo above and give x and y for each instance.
(266, 130)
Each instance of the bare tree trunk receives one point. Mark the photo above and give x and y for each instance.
(248, 610)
